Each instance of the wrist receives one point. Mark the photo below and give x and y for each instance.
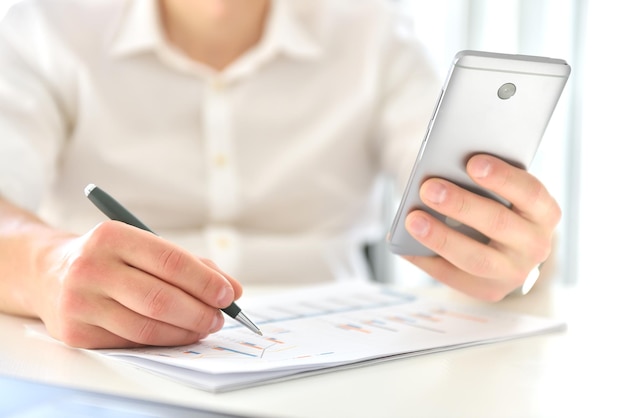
(529, 282)
(26, 244)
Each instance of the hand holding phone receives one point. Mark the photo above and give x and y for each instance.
(497, 104)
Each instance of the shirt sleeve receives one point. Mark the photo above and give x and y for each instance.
(408, 88)
(33, 123)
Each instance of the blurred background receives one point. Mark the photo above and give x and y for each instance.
(579, 158)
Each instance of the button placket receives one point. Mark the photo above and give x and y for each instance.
(221, 182)
(218, 147)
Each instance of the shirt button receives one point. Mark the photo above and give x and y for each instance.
(223, 243)
(220, 160)
(217, 84)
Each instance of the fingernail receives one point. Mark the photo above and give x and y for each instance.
(216, 324)
(419, 226)
(225, 296)
(479, 167)
(435, 191)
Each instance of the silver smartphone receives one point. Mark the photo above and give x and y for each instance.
(498, 104)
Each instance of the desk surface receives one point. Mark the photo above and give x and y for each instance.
(572, 373)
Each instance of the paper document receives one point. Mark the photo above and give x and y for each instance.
(324, 328)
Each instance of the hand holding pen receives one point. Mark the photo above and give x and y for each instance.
(119, 286)
(115, 211)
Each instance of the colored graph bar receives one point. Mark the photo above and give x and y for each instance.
(410, 322)
(377, 323)
(461, 315)
(352, 327)
(251, 345)
(219, 348)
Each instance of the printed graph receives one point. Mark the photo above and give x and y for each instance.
(434, 319)
(311, 307)
(312, 331)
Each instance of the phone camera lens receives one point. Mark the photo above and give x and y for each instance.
(506, 91)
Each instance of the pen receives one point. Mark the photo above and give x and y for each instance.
(115, 211)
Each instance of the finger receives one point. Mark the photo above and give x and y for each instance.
(525, 192)
(485, 215)
(237, 288)
(463, 252)
(92, 321)
(139, 329)
(162, 259)
(445, 272)
(156, 299)
(185, 271)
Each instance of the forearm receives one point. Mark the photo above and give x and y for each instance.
(24, 241)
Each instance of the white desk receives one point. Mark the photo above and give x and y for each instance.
(574, 373)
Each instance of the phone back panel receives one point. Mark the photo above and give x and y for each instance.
(476, 115)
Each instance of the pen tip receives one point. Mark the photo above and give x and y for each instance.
(258, 331)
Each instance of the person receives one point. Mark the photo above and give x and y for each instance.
(254, 136)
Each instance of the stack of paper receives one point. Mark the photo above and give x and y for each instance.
(324, 328)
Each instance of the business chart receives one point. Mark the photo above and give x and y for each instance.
(327, 327)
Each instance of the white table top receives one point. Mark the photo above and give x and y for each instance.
(578, 372)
